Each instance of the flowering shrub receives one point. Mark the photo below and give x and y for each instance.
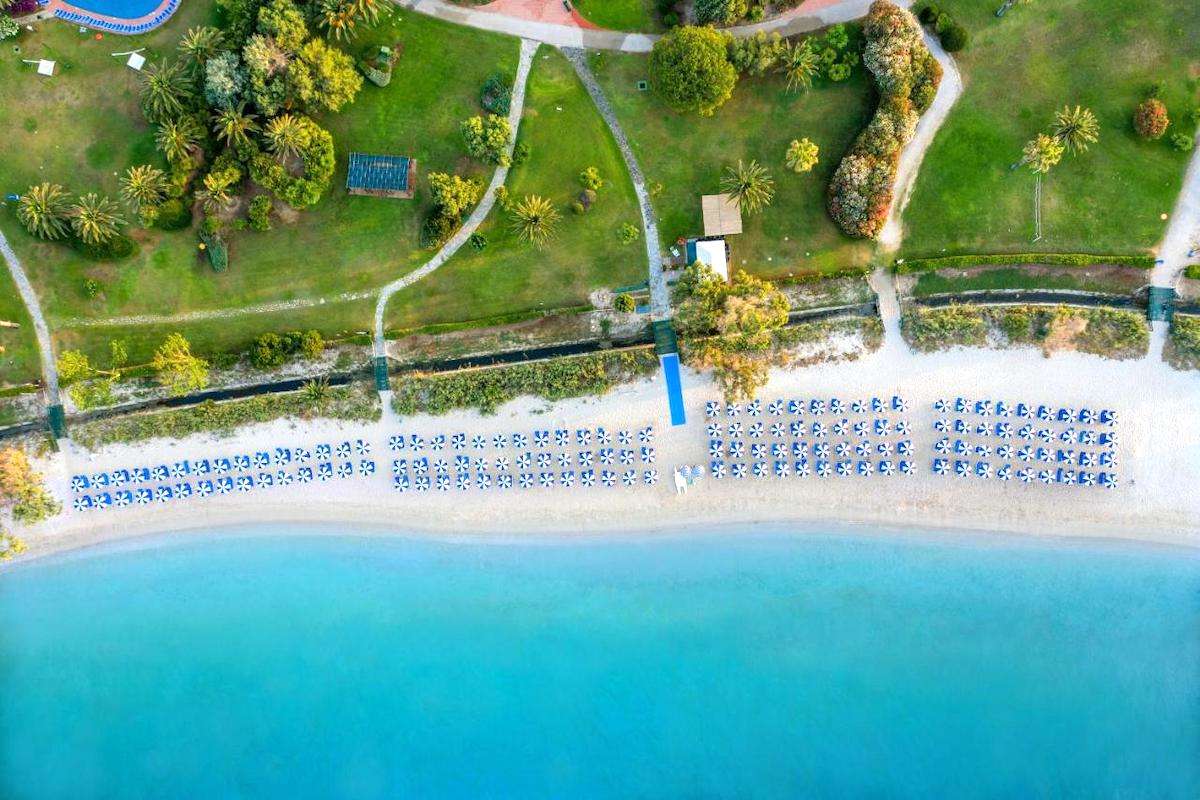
(907, 76)
(1150, 119)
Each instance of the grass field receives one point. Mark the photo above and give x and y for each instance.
(567, 135)
(1019, 70)
(1112, 280)
(687, 155)
(83, 127)
(19, 358)
(620, 15)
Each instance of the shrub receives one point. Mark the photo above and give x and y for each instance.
(317, 158)
(437, 229)
(271, 350)
(479, 241)
(690, 69)
(8, 28)
(91, 288)
(487, 137)
(1057, 259)
(521, 153)
(629, 233)
(930, 329)
(1184, 352)
(928, 13)
(1150, 119)
(802, 155)
(118, 247)
(954, 38)
(259, 213)
(624, 303)
(578, 207)
(590, 178)
(496, 94)
(720, 12)
(1183, 142)
(907, 76)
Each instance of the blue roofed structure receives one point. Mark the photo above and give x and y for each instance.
(381, 176)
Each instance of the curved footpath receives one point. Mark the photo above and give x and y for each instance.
(528, 48)
(30, 298)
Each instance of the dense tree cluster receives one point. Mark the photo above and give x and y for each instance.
(907, 76)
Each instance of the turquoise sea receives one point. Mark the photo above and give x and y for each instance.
(741, 664)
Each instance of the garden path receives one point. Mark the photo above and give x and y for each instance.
(30, 298)
(1179, 248)
(883, 282)
(660, 301)
(517, 105)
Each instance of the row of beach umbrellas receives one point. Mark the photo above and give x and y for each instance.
(879, 426)
(484, 480)
(1063, 475)
(520, 440)
(545, 459)
(1027, 431)
(798, 407)
(757, 451)
(1042, 412)
(803, 468)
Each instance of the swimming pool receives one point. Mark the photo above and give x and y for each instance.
(118, 16)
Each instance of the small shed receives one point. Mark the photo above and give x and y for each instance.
(381, 176)
(722, 215)
(711, 252)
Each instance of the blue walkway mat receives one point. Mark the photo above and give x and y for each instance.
(670, 367)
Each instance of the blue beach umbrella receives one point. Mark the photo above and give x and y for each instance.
(795, 406)
(1108, 417)
(543, 460)
(883, 427)
(1046, 476)
(1003, 409)
(265, 480)
(121, 477)
(1087, 416)
(775, 408)
(778, 450)
(458, 441)
(887, 468)
(717, 468)
(836, 406)
(777, 430)
(366, 468)
(907, 468)
(735, 430)
(799, 449)
(564, 459)
(400, 483)
(1107, 459)
(525, 480)
(1004, 430)
(736, 449)
(862, 449)
(562, 437)
(819, 430)
(648, 455)
(821, 450)
(520, 441)
(1087, 479)
(758, 450)
(304, 475)
(478, 442)
(629, 477)
(824, 469)
(1108, 440)
(1065, 456)
(545, 479)
(942, 425)
(1065, 414)
(1065, 476)
(842, 449)
(608, 456)
(483, 480)
(1025, 474)
(244, 483)
(802, 468)
(756, 430)
(844, 468)
(758, 469)
(1044, 413)
(240, 463)
(504, 481)
(301, 453)
(181, 469)
(960, 446)
(122, 498)
(1004, 452)
(962, 468)
(860, 429)
(983, 450)
(343, 449)
(159, 473)
(362, 447)
(80, 483)
(858, 407)
(796, 429)
(960, 426)
(841, 427)
(586, 457)
(942, 445)
(502, 463)
(816, 406)
(732, 409)
(282, 456)
(1005, 473)
(904, 447)
(587, 478)
(82, 503)
(1025, 432)
(625, 457)
(782, 469)
(754, 408)
(1044, 455)
(1045, 435)
(423, 484)
(541, 438)
(624, 437)
(283, 478)
(983, 408)
(261, 460)
(399, 465)
(941, 406)
(1088, 437)
(650, 477)
(983, 469)
(714, 430)
(738, 469)
(603, 436)
(224, 486)
(884, 448)
(712, 409)
(204, 488)
(865, 468)
(324, 451)
(961, 405)
(583, 436)
(1087, 459)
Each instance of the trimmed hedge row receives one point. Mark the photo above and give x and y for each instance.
(489, 388)
(354, 403)
(1017, 259)
(816, 276)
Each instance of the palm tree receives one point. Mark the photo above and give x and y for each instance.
(143, 185)
(1076, 128)
(95, 219)
(198, 45)
(286, 136)
(800, 66)
(43, 211)
(367, 10)
(337, 17)
(317, 393)
(533, 219)
(234, 126)
(165, 90)
(215, 194)
(749, 184)
(1042, 153)
(178, 138)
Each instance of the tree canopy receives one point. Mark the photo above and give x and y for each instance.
(691, 71)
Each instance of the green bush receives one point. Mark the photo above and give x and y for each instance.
(1192, 272)
(590, 178)
(624, 303)
(690, 69)
(629, 233)
(1183, 142)
(91, 288)
(496, 94)
(479, 241)
(115, 249)
(1184, 349)
(259, 213)
(954, 38)
(173, 215)
(488, 389)
(929, 329)
(1056, 259)
(354, 403)
(272, 350)
(217, 251)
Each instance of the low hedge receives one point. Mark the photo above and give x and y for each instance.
(1193, 272)
(1183, 348)
(910, 266)
(489, 388)
(929, 329)
(815, 276)
(355, 403)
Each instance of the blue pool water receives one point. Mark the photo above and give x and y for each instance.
(740, 665)
(121, 9)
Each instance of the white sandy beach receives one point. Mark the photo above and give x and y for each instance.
(1158, 453)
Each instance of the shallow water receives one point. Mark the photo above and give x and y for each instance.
(738, 665)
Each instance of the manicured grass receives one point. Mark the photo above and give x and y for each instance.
(621, 15)
(19, 359)
(1020, 69)
(567, 135)
(87, 128)
(687, 154)
(1098, 279)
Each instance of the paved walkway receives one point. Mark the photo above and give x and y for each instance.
(660, 300)
(517, 105)
(883, 282)
(45, 348)
(1179, 248)
(949, 91)
(800, 20)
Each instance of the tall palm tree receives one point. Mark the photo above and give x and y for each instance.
(367, 10)
(234, 126)
(1042, 153)
(338, 18)
(215, 193)
(165, 91)
(750, 184)
(800, 66)
(95, 219)
(143, 185)
(287, 135)
(1076, 128)
(200, 44)
(177, 138)
(43, 210)
(533, 219)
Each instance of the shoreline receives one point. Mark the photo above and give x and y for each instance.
(1157, 501)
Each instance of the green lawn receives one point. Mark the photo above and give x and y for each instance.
(1019, 70)
(82, 127)
(567, 135)
(1113, 280)
(687, 154)
(19, 359)
(621, 15)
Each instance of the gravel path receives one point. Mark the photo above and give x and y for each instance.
(660, 301)
(528, 48)
(45, 348)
